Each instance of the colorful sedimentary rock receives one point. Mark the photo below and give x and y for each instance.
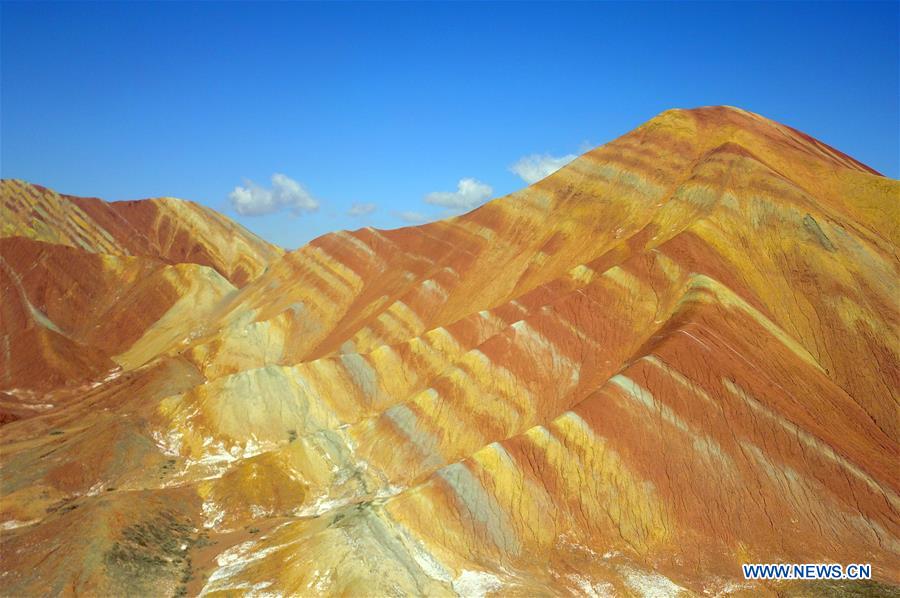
(675, 355)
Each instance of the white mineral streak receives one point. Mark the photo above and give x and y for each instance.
(476, 584)
(648, 584)
(232, 562)
(14, 523)
(593, 589)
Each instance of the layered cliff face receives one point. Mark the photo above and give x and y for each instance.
(675, 355)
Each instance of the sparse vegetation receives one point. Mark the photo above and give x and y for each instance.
(840, 589)
(62, 506)
(167, 468)
(154, 549)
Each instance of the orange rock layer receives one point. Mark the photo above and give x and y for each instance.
(171, 230)
(675, 355)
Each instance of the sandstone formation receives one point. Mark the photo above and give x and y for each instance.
(675, 355)
(171, 230)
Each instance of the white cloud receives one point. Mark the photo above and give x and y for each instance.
(469, 194)
(533, 168)
(361, 209)
(411, 217)
(285, 194)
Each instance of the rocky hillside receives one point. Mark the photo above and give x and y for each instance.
(675, 355)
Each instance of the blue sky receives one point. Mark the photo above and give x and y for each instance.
(407, 109)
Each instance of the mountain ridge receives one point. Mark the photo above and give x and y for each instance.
(134, 227)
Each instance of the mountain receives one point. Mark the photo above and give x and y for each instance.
(170, 230)
(103, 275)
(675, 355)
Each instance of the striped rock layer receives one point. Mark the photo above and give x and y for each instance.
(83, 280)
(170, 230)
(675, 355)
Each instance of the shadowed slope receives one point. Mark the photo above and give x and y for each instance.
(69, 316)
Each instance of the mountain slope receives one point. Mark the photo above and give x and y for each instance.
(171, 230)
(675, 355)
